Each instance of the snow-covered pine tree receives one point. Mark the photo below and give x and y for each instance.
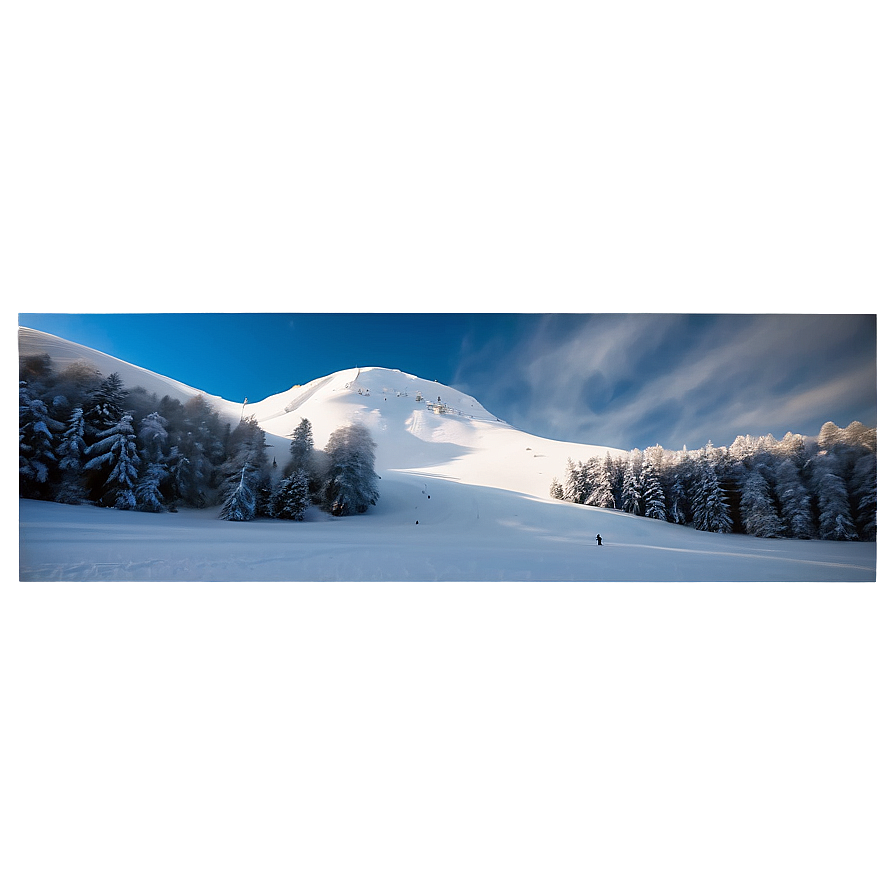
(290, 498)
(792, 447)
(710, 506)
(835, 520)
(153, 436)
(191, 471)
(71, 449)
(556, 489)
(859, 436)
(759, 515)
(300, 447)
(211, 437)
(576, 488)
(72, 445)
(678, 502)
(743, 448)
(37, 458)
(181, 480)
(794, 500)
(863, 487)
(104, 408)
(153, 441)
(601, 494)
(264, 489)
(351, 485)
(632, 499)
(246, 444)
(116, 450)
(240, 496)
(652, 496)
(148, 491)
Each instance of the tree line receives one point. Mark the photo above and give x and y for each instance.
(794, 487)
(85, 439)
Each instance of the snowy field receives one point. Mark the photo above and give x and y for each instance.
(423, 529)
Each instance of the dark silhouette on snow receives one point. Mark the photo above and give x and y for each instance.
(599, 539)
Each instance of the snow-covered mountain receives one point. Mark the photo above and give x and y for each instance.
(417, 424)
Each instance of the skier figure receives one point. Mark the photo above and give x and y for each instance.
(598, 539)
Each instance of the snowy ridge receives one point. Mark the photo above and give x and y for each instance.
(62, 353)
(418, 424)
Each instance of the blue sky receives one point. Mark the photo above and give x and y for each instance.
(622, 380)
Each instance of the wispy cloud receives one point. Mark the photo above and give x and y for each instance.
(634, 380)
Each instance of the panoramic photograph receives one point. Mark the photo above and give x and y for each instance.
(448, 444)
(448, 447)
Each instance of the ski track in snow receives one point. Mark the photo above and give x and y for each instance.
(656, 547)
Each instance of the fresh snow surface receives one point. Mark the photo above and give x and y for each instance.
(463, 497)
(425, 528)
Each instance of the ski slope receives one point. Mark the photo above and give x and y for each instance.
(463, 497)
(424, 529)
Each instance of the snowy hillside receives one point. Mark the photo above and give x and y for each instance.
(463, 497)
(446, 433)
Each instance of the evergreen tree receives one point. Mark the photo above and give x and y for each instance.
(791, 447)
(153, 434)
(795, 501)
(175, 413)
(72, 445)
(678, 502)
(209, 432)
(71, 450)
(153, 441)
(191, 471)
(863, 487)
(245, 445)
(105, 406)
(351, 479)
(577, 487)
(291, 497)
(556, 489)
(264, 491)
(834, 515)
(148, 492)
(184, 485)
(601, 494)
(616, 468)
(116, 450)
(300, 447)
(710, 506)
(828, 435)
(240, 496)
(652, 492)
(246, 472)
(759, 516)
(632, 500)
(141, 403)
(37, 458)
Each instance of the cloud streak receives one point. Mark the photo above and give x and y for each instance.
(639, 379)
